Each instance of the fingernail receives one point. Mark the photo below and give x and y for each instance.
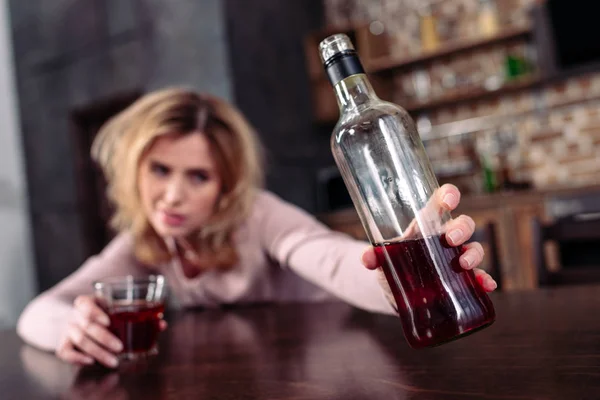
(117, 346)
(89, 361)
(494, 284)
(113, 362)
(449, 200)
(467, 259)
(455, 235)
(104, 320)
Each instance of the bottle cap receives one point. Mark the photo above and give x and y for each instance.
(333, 45)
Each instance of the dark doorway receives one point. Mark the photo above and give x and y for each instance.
(91, 185)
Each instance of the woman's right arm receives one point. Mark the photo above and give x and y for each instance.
(46, 319)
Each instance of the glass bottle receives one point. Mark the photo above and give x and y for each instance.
(392, 185)
(488, 18)
(430, 39)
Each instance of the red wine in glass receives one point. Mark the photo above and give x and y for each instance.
(136, 324)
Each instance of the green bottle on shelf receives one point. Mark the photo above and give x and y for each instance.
(489, 177)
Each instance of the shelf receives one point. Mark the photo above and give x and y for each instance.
(471, 125)
(384, 64)
(329, 114)
(473, 95)
(372, 49)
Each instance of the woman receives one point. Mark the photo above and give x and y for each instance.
(184, 172)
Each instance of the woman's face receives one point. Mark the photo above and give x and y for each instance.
(178, 184)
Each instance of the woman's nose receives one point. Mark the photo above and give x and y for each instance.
(175, 192)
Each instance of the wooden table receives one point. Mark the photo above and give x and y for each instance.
(545, 344)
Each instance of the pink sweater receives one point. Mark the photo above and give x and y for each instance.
(285, 255)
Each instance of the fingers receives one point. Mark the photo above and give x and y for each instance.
(89, 332)
(429, 218)
(459, 230)
(472, 256)
(448, 197)
(369, 258)
(86, 306)
(67, 353)
(485, 280)
(79, 338)
(99, 334)
(387, 291)
(163, 325)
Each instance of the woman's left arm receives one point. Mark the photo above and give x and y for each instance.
(332, 260)
(328, 259)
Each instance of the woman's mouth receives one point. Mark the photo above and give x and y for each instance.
(172, 219)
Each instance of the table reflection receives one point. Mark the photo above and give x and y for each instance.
(259, 352)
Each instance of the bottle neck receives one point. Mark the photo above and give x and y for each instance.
(351, 85)
(353, 92)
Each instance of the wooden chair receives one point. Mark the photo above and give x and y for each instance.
(486, 235)
(566, 231)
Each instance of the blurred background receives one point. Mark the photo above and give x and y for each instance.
(506, 95)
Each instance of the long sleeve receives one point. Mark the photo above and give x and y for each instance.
(43, 321)
(329, 259)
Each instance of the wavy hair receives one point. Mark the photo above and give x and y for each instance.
(122, 141)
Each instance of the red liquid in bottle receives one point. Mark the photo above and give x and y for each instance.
(136, 324)
(437, 300)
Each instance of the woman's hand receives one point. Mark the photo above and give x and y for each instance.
(87, 338)
(458, 231)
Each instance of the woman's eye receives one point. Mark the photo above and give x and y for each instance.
(159, 170)
(199, 177)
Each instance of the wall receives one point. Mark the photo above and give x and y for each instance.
(16, 261)
(271, 87)
(72, 53)
(552, 131)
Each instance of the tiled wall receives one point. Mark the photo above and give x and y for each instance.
(551, 134)
(555, 131)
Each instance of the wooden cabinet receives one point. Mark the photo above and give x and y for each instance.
(513, 240)
(512, 215)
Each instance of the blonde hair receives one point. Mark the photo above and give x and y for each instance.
(122, 141)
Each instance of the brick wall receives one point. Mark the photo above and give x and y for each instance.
(550, 134)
